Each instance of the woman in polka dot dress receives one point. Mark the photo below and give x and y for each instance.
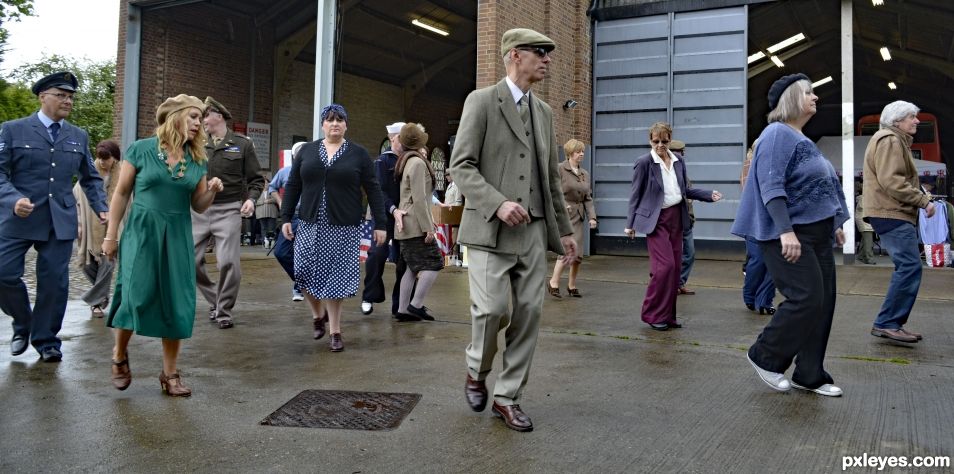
(328, 178)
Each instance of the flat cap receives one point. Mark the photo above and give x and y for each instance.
(677, 145)
(61, 80)
(175, 104)
(394, 127)
(779, 86)
(413, 136)
(524, 37)
(216, 106)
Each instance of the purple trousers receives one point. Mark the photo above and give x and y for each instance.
(665, 261)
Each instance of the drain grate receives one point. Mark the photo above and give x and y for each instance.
(344, 409)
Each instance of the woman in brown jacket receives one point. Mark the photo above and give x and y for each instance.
(415, 227)
(578, 194)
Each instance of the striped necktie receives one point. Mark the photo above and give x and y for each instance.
(525, 110)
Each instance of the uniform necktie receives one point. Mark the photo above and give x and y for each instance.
(525, 110)
(54, 130)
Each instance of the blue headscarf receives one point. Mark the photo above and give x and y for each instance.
(336, 109)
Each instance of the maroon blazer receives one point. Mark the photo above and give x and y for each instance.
(646, 196)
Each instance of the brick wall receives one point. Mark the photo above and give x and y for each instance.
(565, 22)
(295, 105)
(371, 105)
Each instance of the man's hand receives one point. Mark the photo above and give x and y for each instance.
(248, 207)
(399, 219)
(569, 249)
(23, 207)
(103, 217)
(287, 231)
(380, 237)
(791, 247)
(592, 223)
(929, 210)
(512, 214)
(428, 237)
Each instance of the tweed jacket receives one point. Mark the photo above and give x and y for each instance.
(891, 186)
(577, 192)
(646, 197)
(33, 166)
(416, 188)
(488, 163)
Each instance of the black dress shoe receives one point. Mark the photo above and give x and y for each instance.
(18, 345)
(406, 317)
(513, 417)
(51, 354)
(674, 325)
(420, 312)
(769, 310)
(225, 323)
(659, 326)
(476, 392)
(750, 306)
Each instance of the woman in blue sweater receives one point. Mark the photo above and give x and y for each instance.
(793, 205)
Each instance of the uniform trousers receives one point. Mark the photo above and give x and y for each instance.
(800, 327)
(224, 223)
(665, 262)
(43, 321)
(374, 270)
(493, 275)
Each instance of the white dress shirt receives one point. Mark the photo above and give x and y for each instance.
(672, 192)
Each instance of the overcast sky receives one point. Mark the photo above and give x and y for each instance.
(74, 28)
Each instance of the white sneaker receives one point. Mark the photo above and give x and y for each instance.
(827, 390)
(773, 379)
(297, 296)
(366, 307)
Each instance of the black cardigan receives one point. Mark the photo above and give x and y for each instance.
(344, 179)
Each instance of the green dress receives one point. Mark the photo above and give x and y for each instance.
(155, 285)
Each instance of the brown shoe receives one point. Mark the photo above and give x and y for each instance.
(225, 323)
(513, 417)
(319, 325)
(554, 292)
(685, 291)
(121, 375)
(894, 334)
(172, 385)
(574, 292)
(337, 345)
(911, 333)
(476, 393)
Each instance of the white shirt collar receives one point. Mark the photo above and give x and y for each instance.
(46, 121)
(515, 91)
(672, 156)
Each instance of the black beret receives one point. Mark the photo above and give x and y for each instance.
(61, 80)
(779, 86)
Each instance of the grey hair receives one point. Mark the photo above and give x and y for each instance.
(896, 112)
(507, 59)
(790, 103)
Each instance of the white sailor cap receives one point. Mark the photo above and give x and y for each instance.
(394, 127)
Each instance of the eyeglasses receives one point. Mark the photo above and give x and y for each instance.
(657, 142)
(61, 96)
(540, 52)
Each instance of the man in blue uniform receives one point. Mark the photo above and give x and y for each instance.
(39, 156)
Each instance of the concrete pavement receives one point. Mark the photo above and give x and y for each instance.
(606, 393)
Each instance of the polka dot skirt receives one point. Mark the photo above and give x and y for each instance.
(326, 255)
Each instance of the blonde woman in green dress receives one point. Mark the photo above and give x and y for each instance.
(155, 285)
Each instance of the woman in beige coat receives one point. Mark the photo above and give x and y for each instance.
(578, 194)
(415, 226)
(98, 270)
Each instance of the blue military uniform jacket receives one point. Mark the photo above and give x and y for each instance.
(32, 166)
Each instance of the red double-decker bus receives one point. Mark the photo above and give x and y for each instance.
(926, 146)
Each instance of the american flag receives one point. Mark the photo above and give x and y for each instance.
(365, 245)
(442, 233)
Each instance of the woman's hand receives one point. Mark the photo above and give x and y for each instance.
(109, 248)
(791, 247)
(839, 237)
(428, 237)
(287, 231)
(399, 219)
(215, 185)
(716, 196)
(380, 237)
(592, 223)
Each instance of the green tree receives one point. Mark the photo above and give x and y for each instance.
(15, 101)
(93, 102)
(12, 10)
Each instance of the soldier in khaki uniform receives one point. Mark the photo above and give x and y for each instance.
(231, 159)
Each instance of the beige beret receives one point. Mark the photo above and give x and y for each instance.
(175, 104)
(524, 37)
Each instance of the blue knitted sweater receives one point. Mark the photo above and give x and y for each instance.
(788, 165)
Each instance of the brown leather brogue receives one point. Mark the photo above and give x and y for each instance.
(513, 417)
(476, 392)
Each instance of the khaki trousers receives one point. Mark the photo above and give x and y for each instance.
(493, 275)
(223, 222)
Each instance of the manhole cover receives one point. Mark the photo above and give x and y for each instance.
(344, 410)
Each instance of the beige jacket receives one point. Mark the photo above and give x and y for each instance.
(490, 166)
(416, 188)
(891, 187)
(577, 192)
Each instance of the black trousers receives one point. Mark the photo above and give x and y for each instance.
(800, 328)
(374, 271)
